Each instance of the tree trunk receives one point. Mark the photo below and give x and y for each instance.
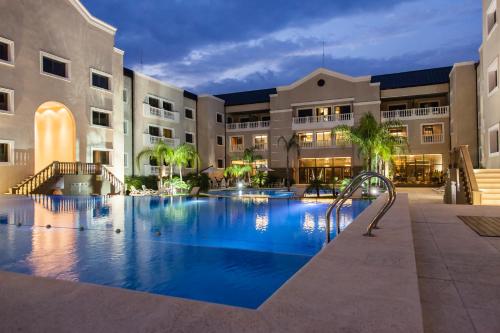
(287, 171)
(180, 172)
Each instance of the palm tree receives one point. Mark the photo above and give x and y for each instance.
(374, 140)
(159, 152)
(290, 144)
(250, 157)
(184, 155)
(237, 171)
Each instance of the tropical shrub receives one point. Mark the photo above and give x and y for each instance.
(201, 180)
(151, 182)
(176, 185)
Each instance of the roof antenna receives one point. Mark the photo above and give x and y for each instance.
(323, 63)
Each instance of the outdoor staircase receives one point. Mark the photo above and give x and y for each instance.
(488, 182)
(36, 183)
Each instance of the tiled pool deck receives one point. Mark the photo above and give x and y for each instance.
(425, 272)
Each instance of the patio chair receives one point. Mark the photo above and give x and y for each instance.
(147, 191)
(135, 192)
(223, 183)
(298, 192)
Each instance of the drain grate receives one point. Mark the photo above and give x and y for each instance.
(482, 225)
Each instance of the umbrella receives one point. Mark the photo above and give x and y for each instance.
(264, 168)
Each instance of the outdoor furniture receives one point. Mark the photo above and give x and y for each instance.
(298, 192)
(135, 192)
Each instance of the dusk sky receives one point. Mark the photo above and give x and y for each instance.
(216, 46)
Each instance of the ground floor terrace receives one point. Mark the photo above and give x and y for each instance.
(425, 271)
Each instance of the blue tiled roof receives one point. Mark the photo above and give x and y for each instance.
(424, 77)
(247, 97)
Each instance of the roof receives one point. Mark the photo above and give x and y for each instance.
(248, 97)
(424, 77)
(190, 95)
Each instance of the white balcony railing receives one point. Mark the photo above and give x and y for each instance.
(323, 144)
(401, 139)
(151, 111)
(432, 138)
(249, 126)
(237, 148)
(330, 121)
(261, 146)
(151, 140)
(151, 170)
(412, 114)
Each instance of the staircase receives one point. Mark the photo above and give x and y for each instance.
(59, 169)
(488, 182)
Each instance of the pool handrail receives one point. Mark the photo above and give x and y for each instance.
(349, 191)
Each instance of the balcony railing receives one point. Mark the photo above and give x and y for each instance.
(261, 146)
(151, 170)
(432, 138)
(323, 144)
(151, 140)
(323, 121)
(412, 114)
(151, 111)
(237, 148)
(249, 126)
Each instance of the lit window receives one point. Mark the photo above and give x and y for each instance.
(493, 77)
(323, 111)
(220, 118)
(324, 136)
(432, 133)
(55, 66)
(236, 143)
(342, 109)
(260, 142)
(6, 51)
(220, 140)
(101, 118)
(101, 80)
(189, 137)
(494, 135)
(188, 113)
(101, 157)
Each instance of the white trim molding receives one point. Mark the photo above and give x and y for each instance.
(101, 73)
(281, 111)
(56, 58)
(11, 52)
(491, 68)
(217, 140)
(493, 128)
(91, 19)
(110, 119)
(217, 118)
(367, 103)
(434, 138)
(327, 72)
(10, 101)
(11, 153)
(330, 101)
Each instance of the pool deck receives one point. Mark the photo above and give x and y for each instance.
(355, 284)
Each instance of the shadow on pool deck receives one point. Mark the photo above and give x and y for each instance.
(355, 284)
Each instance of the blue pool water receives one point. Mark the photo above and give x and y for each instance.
(222, 250)
(270, 193)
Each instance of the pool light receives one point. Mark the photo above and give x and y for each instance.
(240, 185)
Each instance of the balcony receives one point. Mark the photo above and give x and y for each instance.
(152, 112)
(236, 148)
(324, 144)
(432, 138)
(414, 114)
(248, 126)
(151, 140)
(151, 170)
(322, 122)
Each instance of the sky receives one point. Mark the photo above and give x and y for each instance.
(218, 46)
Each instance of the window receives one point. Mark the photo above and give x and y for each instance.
(324, 111)
(168, 106)
(494, 141)
(491, 17)
(154, 102)
(6, 100)
(342, 109)
(432, 133)
(220, 140)
(260, 142)
(397, 107)
(325, 137)
(101, 157)
(6, 152)
(493, 77)
(125, 160)
(100, 80)
(220, 164)
(188, 113)
(306, 137)
(425, 105)
(305, 113)
(154, 131)
(6, 51)
(54, 66)
(189, 137)
(236, 143)
(168, 133)
(220, 118)
(125, 127)
(125, 97)
(101, 118)
(229, 120)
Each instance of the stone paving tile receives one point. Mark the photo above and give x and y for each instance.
(442, 292)
(479, 296)
(433, 270)
(439, 319)
(485, 321)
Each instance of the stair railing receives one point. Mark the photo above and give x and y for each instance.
(110, 177)
(349, 191)
(461, 160)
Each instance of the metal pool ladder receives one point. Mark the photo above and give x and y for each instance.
(349, 191)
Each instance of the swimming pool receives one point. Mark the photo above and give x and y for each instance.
(222, 250)
(248, 192)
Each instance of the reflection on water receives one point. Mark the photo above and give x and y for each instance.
(233, 251)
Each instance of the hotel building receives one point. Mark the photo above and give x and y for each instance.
(60, 101)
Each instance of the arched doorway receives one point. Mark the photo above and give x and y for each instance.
(55, 135)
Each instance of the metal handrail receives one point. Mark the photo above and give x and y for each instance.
(349, 191)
